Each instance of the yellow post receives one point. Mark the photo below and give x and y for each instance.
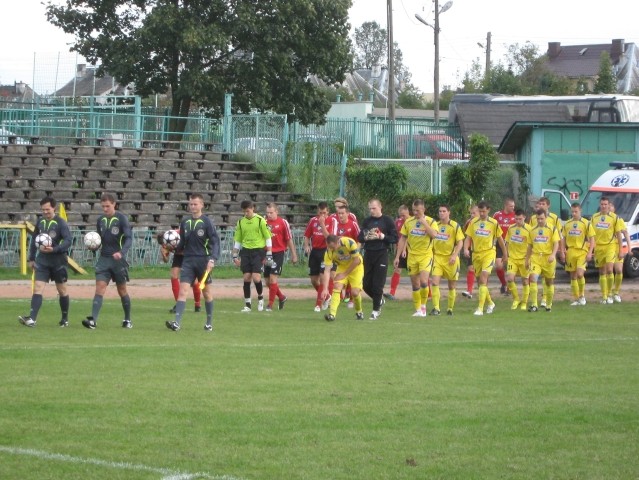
(23, 227)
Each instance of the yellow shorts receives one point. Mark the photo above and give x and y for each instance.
(604, 254)
(517, 268)
(576, 259)
(441, 268)
(419, 263)
(484, 261)
(539, 266)
(355, 279)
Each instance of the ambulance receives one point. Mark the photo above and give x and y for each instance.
(621, 186)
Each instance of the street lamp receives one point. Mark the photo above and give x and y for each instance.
(436, 30)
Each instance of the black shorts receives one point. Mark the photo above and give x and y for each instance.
(252, 260)
(193, 268)
(177, 261)
(108, 268)
(51, 269)
(500, 253)
(316, 261)
(403, 262)
(278, 263)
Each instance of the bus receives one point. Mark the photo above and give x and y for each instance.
(604, 108)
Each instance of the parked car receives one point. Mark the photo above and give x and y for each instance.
(436, 146)
(262, 149)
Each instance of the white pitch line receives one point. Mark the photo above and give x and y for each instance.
(165, 472)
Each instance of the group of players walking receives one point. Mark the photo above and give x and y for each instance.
(344, 259)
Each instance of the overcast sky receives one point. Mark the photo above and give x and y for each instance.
(27, 39)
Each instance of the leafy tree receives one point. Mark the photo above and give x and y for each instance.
(371, 43)
(411, 97)
(606, 78)
(263, 52)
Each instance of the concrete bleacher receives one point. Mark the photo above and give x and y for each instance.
(152, 184)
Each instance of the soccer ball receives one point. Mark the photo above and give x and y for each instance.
(92, 240)
(171, 238)
(43, 240)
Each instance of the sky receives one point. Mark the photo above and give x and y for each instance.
(36, 52)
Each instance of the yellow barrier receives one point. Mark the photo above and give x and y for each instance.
(23, 227)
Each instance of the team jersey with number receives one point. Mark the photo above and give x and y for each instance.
(577, 232)
(483, 233)
(517, 240)
(505, 220)
(280, 233)
(448, 234)
(314, 231)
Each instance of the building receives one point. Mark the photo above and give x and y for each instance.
(86, 83)
(581, 63)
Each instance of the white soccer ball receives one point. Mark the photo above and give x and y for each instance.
(171, 238)
(92, 240)
(43, 240)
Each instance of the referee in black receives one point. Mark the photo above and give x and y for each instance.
(49, 262)
(377, 234)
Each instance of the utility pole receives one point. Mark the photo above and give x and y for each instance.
(391, 61)
(436, 76)
(487, 55)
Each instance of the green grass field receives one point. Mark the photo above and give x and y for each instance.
(286, 395)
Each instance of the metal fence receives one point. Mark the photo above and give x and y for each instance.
(145, 250)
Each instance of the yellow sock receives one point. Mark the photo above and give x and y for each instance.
(582, 286)
(452, 296)
(423, 292)
(574, 288)
(610, 280)
(550, 294)
(335, 301)
(512, 286)
(534, 291)
(543, 292)
(525, 293)
(357, 303)
(603, 285)
(436, 294)
(417, 300)
(618, 280)
(483, 293)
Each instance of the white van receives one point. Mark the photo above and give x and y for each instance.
(621, 186)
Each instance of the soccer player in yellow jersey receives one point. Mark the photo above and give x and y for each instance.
(483, 232)
(607, 234)
(446, 247)
(343, 252)
(417, 236)
(577, 245)
(541, 259)
(552, 220)
(619, 258)
(517, 240)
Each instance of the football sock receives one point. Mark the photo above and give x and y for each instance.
(126, 306)
(610, 279)
(319, 300)
(64, 307)
(618, 279)
(512, 287)
(335, 301)
(175, 287)
(436, 294)
(97, 305)
(36, 303)
(582, 286)
(550, 294)
(534, 291)
(525, 293)
(258, 288)
(470, 281)
(483, 293)
(197, 293)
(247, 293)
(603, 285)
(543, 292)
(208, 306)
(357, 302)
(417, 299)
(394, 283)
(574, 288)
(423, 292)
(272, 293)
(452, 296)
(279, 293)
(179, 310)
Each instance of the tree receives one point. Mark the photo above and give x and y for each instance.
(262, 52)
(606, 78)
(371, 43)
(411, 97)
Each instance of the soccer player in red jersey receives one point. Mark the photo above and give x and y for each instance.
(318, 228)
(505, 217)
(281, 238)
